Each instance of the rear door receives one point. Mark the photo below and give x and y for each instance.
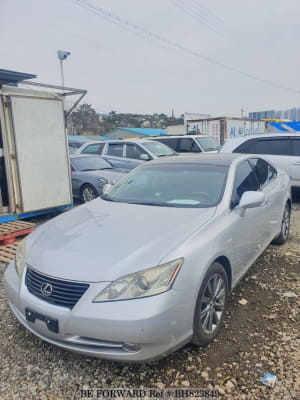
(41, 152)
(295, 162)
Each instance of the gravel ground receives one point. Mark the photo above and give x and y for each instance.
(259, 337)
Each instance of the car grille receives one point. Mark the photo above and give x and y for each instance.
(55, 291)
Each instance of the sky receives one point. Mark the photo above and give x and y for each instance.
(131, 72)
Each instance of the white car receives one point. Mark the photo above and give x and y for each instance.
(190, 143)
(282, 150)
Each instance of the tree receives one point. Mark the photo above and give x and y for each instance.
(84, 121)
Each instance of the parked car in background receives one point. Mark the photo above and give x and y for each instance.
(90, 173)
(281, 150)
(190, 143)
(74, 144)
(127, 153)
(148, 267)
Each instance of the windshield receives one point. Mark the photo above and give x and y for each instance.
(208, 143)
(159, 149)
(171, 185)
(90, 163)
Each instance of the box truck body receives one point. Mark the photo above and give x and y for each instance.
(35, 152)
(223, 128)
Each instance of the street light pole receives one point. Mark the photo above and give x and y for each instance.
(62, 55)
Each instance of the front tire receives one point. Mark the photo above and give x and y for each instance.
(285, 226)
(88, 193)
(211, 305)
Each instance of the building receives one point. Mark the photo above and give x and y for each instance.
(127, 133)
(292, 114)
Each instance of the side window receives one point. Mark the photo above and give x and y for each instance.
(273, 146)
(264, 171)
(296, 147)
(187, 145)
(246, 147)
(115, 149)
(170, 142)
(134, 151)
(244, 181)
(95, 148)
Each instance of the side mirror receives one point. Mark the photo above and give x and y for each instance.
(251, 199)
(106, 188)
(144, 157)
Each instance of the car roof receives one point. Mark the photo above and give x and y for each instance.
(85, 155)
(142, 140)
(224, 160)
(180, 136)
(232, 143)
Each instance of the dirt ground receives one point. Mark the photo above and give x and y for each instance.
(259, 337)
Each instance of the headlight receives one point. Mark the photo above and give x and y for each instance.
(103, 180)
(20, 258)
(142, 284)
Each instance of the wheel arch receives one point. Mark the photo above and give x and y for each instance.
(224, 261)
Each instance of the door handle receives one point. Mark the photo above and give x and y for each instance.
(296, 163)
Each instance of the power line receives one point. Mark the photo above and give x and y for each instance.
(194, 14)
(206, 11)
(146, 34)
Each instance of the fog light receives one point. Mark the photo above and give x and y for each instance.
(131, 347)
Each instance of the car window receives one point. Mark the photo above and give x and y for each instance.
(134, 151)
(95, 148)
(115, 149)
(273, 146)
(246, 147)
(245, 180)
(172, 142)
(296, 146)
(188, 145)
(264, 171)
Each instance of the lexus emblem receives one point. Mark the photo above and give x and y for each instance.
(46, 289)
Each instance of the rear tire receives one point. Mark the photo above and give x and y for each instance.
(285, 226)
(211, 305)
(88, 193)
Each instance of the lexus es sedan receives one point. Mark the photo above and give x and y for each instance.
(148, 267)
(89, 174)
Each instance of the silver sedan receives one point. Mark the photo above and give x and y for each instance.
(148, 267)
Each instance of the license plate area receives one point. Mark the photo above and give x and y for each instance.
(32, 316)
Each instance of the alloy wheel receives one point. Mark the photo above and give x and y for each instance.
(285, 227)
(212, 304)
(88, 194)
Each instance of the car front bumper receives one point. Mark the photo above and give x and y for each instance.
(130, 330)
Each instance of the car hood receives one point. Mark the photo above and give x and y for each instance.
(102, 240)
